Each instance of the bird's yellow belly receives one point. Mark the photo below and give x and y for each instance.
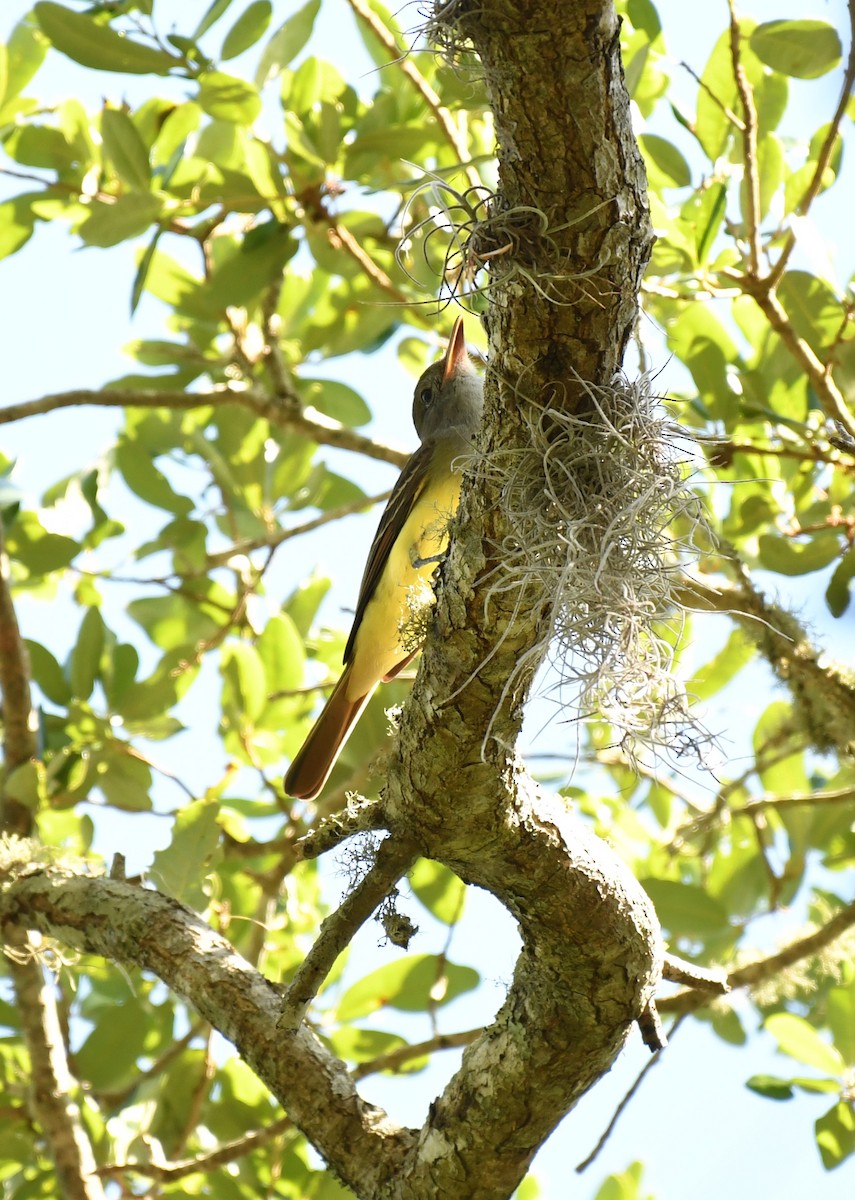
(394, 623)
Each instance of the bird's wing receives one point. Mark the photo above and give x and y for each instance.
(405, 494)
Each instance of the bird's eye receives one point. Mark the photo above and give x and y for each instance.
(426, 396)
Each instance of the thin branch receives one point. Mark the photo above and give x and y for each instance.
(677, 970)
(402, 1055)
(822, 691)
(347, 242)
(749, 145)
(227, 1153)
(765, 968)
(823, 158)
(827, 392)
(362, 816)
(275, 539)
(640, 1078)
(392, 860)
(325, 433)
(722, 813)
(402, 59)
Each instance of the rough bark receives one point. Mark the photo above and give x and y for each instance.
(590, 953)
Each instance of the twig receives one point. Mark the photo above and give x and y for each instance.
(404, 1054)
(402, 59)
(275, 539)
(749, 146)
(359, 816)
(609, 1130)
(824, 157)
(828, 393)
(722, 813)
(764, 968)
(325, 433)
(677, 970)
(392, 860)
(348, 243)
(227, 1153)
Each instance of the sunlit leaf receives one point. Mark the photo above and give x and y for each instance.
(409, 983)
(180, 869)
(247, 29)
(99, 46)
(798, 1039)
(804, 48)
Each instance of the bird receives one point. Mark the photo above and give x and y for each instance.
(397, 589)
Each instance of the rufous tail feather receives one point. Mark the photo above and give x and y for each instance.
(315, 760)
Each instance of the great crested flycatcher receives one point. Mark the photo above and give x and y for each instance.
(396, 587)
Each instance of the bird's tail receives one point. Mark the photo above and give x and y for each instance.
(311, 768)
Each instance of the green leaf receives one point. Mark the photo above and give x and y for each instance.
(16, 224)
(302, 605)
(835, 1134)
(212, 15)
(789, 558)
(738, 651)
(25, 52)
(837, 594)
(336, 400)
(194, 850)
(47, 673)
(804, 49)
(228, 98)
(127, 217)
(144, 479)
(86, 656)
(247, 29)
(98, 46)
(625, 1186)
(27, 785)
(361, 1045)
(124, 779)
(125, 148)
(244, 689)
(439, 889)
(147, 699)
(665, 164)
(172, 621)
(287, 42)
(280, 649)
(685, 908)
(840, 1015)
(29, 543)
(242, 277)
(799, 1040)
(108, 1056)
(771, 1087)
(409, 984)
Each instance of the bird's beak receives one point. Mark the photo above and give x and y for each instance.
(456, 359)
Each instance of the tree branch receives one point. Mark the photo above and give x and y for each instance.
(823, 692)
(749, 145)
(823, 158)
(401, 58)
(271, 409)
(393, 859)
(765, 968)
(133, 925)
